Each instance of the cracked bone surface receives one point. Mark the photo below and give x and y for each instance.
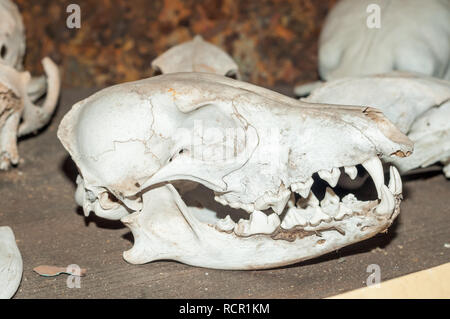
(255, 156)
(418, 105)
(10, 264)
(413, 36)
(18, 114)
(196, 55)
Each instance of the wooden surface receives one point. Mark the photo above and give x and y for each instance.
(38, 204)
(431, 283)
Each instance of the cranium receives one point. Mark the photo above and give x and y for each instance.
(10, 263)
(18, 114)
(252, 150)
(419, 106)
(196, 55)
(413, 36)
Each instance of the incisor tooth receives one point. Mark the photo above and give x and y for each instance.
(375, 170)
(331, 177)
(351, 171)
(395, 182)
(387, 203)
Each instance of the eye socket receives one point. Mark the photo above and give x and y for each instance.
(3, 51)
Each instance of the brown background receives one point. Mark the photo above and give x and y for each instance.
(274, 42)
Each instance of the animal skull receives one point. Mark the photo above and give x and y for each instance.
(419, 106)
(11, 265)
(250, 149)
(413, 36)
(18, 114)
(196, 55)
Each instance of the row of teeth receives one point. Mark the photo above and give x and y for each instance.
(308, 210)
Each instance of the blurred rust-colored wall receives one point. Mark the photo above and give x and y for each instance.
(274, 42)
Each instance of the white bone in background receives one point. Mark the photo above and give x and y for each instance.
(10, 264)
(414, 36)
(196, 55)
(136, 150)
(418, 105)
(19, 89)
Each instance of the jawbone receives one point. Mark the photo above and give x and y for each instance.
(171, 231)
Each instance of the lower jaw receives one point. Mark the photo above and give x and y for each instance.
(200, 244)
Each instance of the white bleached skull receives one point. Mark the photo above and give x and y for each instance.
(252, 150)
(419, 106)
(11, 265)
(196, 55)
(12, 35)
(18, 114)
(414, 36)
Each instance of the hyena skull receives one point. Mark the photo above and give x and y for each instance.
(196, 55)
(363, 37)
(419, 106)
(252, 150)
(18, 114)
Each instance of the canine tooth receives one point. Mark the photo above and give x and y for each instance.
(331, 177)
(375, 170)
(318, 217)
(226, 224)
(351, 171)
(387, 203)
(395, 182)
(258, 223)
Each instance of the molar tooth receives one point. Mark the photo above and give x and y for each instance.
(329, 198)
(276, 202)
(303, 188)
(293, 218)
(311, 201)
(349, 199)
(387, 203)
(331, 177)
(220, 200)
(318, 217)
(351, 171)
(343, 211)
(226, 224)
(259, 223)
(395, 182)
(330, 202)
(375, 170)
